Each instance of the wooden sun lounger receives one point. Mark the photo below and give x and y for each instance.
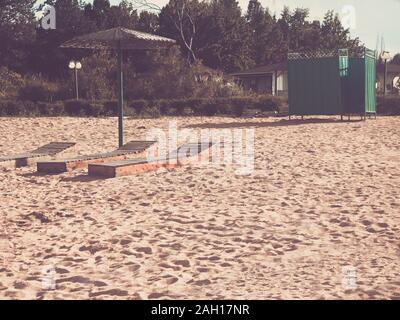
(82, 162)
(190, 152)
(45, 152)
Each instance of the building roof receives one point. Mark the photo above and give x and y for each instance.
(118, 37)
(392, 68)
(263, 70)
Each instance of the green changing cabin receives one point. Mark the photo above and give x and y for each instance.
(332, 83)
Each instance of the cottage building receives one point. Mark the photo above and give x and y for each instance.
(393, 77)
(271, 79)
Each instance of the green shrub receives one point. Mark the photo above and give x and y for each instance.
(29, 108)
(77, 107)
(3, 108)
(129, 111)
(110, 108)
(37, 90)
(95, 109)
(151, 111)
(388, 105)
(18, 108)
(238, 106)
(50, 109)
(196, 105)
(14, 108)
(165, 107)
(209, 107)
(174, 107)
(147, 108)
(10, 82)
(139, 105)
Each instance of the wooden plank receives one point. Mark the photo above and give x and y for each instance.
(82, 162)
(42, 153)
(186, 154)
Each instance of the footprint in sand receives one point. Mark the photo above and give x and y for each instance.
(202, 282)
(156, 295)
(124, 242)
(75, 279)
(111, 292)
(146, 250)
(183, 263)
(171, 280)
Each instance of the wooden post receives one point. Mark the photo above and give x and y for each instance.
(385, 78)
(76, 84)
(120, 99)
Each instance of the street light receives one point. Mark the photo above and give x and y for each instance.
(385, 56)
(75, 65)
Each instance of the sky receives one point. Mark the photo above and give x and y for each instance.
(367, 19)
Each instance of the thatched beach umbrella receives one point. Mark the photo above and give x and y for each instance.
(119, 39)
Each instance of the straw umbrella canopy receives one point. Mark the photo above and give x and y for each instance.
(119, 39)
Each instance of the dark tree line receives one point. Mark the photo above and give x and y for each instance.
(213, 32)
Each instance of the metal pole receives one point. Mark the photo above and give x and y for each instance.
(120, 100)
(76, 84)
(384, 78)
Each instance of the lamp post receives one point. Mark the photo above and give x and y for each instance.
(385, 56)
(75, 65)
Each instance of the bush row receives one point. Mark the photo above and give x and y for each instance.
(234, 106)
(388, 105)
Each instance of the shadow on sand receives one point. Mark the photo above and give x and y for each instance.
(82, 178)
(79, 178)
(37, 174)
(280, 123)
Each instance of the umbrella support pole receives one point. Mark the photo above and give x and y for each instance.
(120, 100)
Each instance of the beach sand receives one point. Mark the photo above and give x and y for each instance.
(319, 218)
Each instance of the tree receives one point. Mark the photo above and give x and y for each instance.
(98, 12)
(148, 22)
(335, 37)
(261, 25)
(179, 19)
(123, 15)
(159, 75)
(106, 16)
(396, 59)
(97, 82)
(46, 56)
(17, 31)
(224, 40)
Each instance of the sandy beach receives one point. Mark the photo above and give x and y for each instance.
(324, 198)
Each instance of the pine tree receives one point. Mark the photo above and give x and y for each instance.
(17, 31)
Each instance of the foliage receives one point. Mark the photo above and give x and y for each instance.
(396, 59)
(37, 89)
(234, 106)
(211, 33)
(97, 79)
(388, 105)
(17, 30)
(10, 82)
